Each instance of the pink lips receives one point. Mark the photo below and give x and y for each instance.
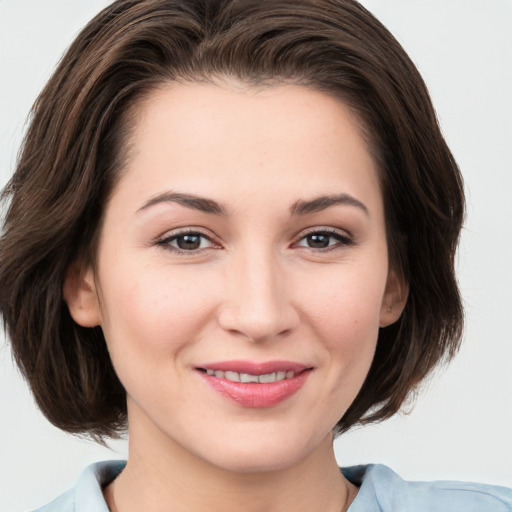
(256, 395)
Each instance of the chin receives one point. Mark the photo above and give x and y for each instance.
(263, 454)
(258, 462)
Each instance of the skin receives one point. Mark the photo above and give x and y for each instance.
(254, 290)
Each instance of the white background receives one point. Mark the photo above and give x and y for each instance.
(461, 426)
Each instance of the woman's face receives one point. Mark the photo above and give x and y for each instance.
(244, 241)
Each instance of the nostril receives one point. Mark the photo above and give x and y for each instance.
(258, 326)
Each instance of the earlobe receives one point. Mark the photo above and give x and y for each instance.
(80, 294)
(394, 299)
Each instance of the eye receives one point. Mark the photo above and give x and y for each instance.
(186, 242)
(324, 239)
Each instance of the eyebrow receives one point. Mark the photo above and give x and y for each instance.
(300, 207)
(318, 204)
(189, 200)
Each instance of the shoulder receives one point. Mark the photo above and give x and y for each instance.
(382, 490)
(64, 503)
(87, 495)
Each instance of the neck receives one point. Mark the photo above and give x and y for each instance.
(158, 478)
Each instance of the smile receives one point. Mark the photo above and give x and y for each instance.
(255, 385)
(248, 378)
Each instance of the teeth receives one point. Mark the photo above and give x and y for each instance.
(245, 377)
(248, 378)
(268, 377)
(233, 376)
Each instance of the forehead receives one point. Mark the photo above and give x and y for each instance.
(273, 114)
(211, 139)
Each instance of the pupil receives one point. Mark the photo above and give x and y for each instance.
(318, 241)
(189, 242)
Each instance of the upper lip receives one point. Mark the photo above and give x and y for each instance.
(254, 368)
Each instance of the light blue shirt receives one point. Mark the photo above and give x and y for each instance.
(381, 490)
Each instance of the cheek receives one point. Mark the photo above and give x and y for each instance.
(347, 302)
(345, 313)
(156, 315)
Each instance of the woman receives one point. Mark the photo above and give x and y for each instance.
(234, 225)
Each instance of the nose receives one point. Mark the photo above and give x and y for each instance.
(257, 304)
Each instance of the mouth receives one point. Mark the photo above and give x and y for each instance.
(248, 377)
(255, 385)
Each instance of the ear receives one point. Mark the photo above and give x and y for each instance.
(394, 299)
(81, 296)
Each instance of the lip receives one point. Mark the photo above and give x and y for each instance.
(256, 395)
(255, 368)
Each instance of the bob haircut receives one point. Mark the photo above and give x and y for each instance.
(73, 154)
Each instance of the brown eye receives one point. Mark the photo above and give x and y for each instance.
(186, 242)
(324, 240)
(318, 241)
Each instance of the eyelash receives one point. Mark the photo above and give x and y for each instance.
(343, 240)
(165, 242)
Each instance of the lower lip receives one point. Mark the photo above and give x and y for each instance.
(256, 395)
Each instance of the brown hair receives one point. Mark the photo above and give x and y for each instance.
(72, 156)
